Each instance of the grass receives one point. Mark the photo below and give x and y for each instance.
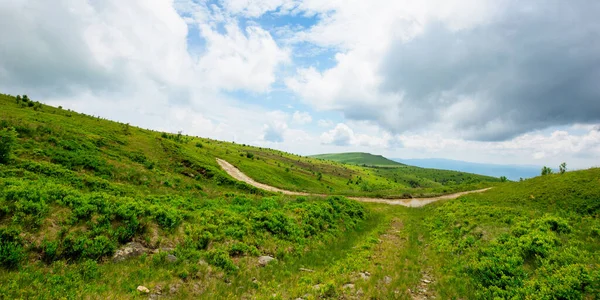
(75, 188)
(359, 158)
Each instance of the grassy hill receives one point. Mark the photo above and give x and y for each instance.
(414, 177)
(75, 190)
(359, 158)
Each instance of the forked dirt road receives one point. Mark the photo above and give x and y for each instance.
(412, 202)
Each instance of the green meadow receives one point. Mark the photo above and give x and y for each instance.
(76, 190)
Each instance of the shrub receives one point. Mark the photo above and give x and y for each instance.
(546, 171)
(563, 168)
(11, 249)
(167, 218)
(221, 259)
(50, 250)
(238, 249)
(89, 269)
(8, 137)
(98, 247)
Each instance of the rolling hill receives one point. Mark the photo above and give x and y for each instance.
(359, 158)
(91, 208)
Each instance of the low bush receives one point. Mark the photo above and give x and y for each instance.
(11, 248)
(8, 137)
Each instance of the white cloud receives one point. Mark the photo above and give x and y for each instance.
(256, 8)
(418, 65)
(301, 118)
(325, 123)
(130, 61)
(240, 60)
(530, 148)
(343, 135)
(275, 128)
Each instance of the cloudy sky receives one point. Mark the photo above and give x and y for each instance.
(485, 81)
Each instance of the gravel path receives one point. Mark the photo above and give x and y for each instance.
(412, 202)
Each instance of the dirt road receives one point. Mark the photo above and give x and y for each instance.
(412, 202)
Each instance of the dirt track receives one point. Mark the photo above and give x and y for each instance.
(412, 202)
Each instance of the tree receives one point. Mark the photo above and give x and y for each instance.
(563, 168)
(8, 136)
(18, 99)
(25, 98)
(546, 171)
(503, 179)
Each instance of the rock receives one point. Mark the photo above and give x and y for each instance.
(174, 288)
(348, 286)
(129, 250)
(426, 281)
(306, 270)
(202, 262)
(387, 279)
(360, 292)
(158, 289)
(143, 289)
(154, 297)
(316, 287)
(265, 260)
(364, 275)
(171, 258)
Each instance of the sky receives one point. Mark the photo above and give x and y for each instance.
(492, 81)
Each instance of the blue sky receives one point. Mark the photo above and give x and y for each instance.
(483, 81)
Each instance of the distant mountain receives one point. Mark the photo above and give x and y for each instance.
(512, 172)
(359, 158)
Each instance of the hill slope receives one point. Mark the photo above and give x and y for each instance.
(128, 155)
(93, 208)
(359, 158)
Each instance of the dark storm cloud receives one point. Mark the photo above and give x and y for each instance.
(533, 66)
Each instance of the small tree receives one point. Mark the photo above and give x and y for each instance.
(8, 137)
(503, 179)
(546, 171)
(563, 168)
(25, 98)
(18, 99)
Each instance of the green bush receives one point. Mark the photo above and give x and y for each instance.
(11, 248)
(50, 250)
(89, 269)
(220, 258)
(8, 137)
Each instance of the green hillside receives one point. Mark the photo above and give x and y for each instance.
(359, 158)
(76, 191)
